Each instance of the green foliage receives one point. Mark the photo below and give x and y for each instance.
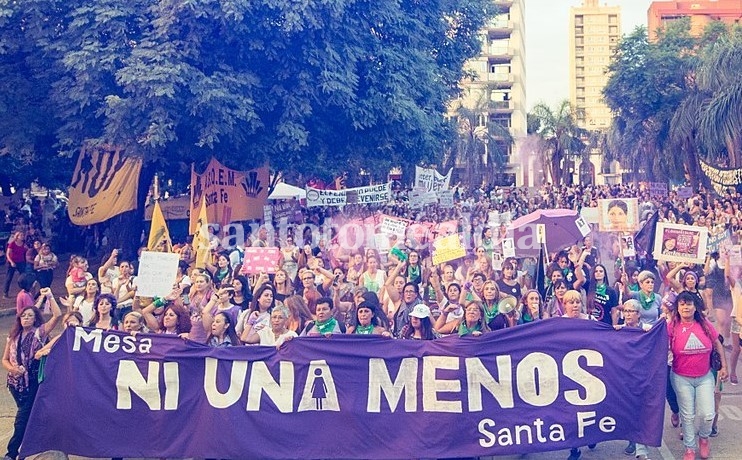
(298, 84)
(675, 100)
(561, 135)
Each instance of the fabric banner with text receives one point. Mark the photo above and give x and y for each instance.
(371, 194)
(431, 180)
(104, 184)
(230, 195)
(499, 394)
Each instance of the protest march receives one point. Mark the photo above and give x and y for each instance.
(535, 319)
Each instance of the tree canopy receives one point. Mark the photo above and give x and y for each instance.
(676, 100)
(298, 84)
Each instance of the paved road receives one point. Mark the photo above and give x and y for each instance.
(726, 446)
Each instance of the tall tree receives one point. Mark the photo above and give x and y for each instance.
(299, 84)
(561, 135)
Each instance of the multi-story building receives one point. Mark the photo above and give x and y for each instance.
(594, 32)
(701, 13)
(498, 78)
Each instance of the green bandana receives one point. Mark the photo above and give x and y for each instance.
(366, 330)
(600, 289)
(645, 300)
(464, 330)
(327, 327)
(413, 272)
(489, 313)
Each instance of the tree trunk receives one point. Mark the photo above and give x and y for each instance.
(125, 230)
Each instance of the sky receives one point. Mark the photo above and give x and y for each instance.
(547, 44)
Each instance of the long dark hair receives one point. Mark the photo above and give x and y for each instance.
(96, 316)
(686, 297)
(230, 332)
(184, 319)
(245, 291)
(426, 330)
(590, 297)
(266, 287)
(17, 328)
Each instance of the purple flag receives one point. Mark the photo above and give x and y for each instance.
(548, 385)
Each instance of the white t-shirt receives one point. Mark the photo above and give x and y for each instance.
(268, 338)
(85, 308)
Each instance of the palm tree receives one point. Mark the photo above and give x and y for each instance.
(482, 145)
(562, 137)
(720, 120)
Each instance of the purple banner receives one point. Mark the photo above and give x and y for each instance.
(549, 385)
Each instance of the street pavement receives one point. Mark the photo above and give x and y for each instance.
(728, 445)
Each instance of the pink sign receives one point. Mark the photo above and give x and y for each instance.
(260, 260)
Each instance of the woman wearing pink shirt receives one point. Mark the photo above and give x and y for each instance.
(692, 338)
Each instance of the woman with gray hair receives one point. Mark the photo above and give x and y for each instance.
(649, 300)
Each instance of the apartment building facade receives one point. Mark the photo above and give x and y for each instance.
(497, 77)
(701, 13)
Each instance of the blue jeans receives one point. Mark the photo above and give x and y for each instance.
(695, 397)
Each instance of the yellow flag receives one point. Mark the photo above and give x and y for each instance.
(201, 238)
(159, 236)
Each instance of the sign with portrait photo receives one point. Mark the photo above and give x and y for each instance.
(680, 243)
(618, 215)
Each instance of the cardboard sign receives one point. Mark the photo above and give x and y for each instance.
(658, 189)
(619, 215)
(591, 215)
(447, 249)
(720, 241)
(582, 226)
(735, 256)
(157, 272)
(508, 247)
(680, 243)
(541, 233)
(260, 260)
(685, 192)
(445, 198)
(628, 248)
(392, 226)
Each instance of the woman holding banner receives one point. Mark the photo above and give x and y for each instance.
(198, 296)
(692, 339)
(650, 301)
(28, 335)
(260, 312)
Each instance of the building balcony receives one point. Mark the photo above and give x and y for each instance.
(500, 106)
(497, 55)
(500, 79)
(499, 28)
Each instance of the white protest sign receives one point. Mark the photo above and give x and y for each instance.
(735, 256)
(629, 250)
(591, 215)
(369, 195)
(416, 197)
(445, 198)
(508, 248)
(392, 226)
(506, 217)
(317, 197)
(157, 272)
(582, 226)
(541, 233)
(267, 213)
(430, 198)
(493, 218)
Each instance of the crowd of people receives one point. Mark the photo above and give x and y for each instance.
(319, 289)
